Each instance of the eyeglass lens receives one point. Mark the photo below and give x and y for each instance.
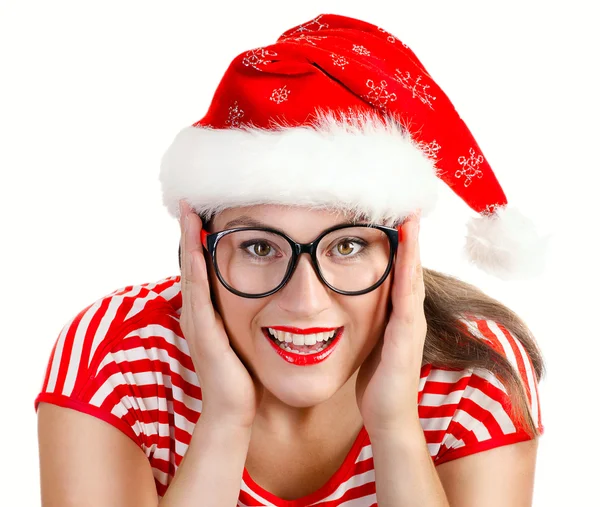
(351, 259)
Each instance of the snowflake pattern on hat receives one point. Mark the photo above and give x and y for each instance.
(379, 96)
(235, 115)
(309, 27)
(256, 57)
(430, 149)
(307, 38)
(280, 95)
(391, 38)
(418, 89)
(360, 50)
(339, 60)
(470, 167)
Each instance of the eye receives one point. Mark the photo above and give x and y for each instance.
(345, 247)
(260, 248)
(348, 247)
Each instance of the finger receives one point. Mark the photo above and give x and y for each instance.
(405, 286)
(414, 250)
(194, 280)
(183, 207)
(185, 216)
(418, 285)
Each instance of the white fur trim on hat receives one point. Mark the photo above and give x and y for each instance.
(364, 165)
(506, 244)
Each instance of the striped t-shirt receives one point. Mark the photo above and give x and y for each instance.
(124, 359)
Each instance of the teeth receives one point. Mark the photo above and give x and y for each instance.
(319, 349)
(301, 339)
(323, 337)
(310, 339)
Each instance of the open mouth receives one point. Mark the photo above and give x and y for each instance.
(303, 344)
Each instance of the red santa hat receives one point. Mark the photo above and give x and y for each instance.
(340, 114)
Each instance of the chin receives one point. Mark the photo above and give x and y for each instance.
(298, 396)
(298, 385)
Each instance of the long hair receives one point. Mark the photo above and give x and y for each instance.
(449, 344)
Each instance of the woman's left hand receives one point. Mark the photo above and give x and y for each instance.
(387, 385)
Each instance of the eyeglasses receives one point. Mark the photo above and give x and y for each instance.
(255, 262)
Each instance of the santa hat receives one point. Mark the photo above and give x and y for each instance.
(340, 114)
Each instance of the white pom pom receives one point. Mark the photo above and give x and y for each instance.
(506, 245)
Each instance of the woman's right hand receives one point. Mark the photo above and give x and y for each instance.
(229, 394)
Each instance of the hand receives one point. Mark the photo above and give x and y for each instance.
(229, 394)
(387, 385)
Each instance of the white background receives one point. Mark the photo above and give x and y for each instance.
(92, 94)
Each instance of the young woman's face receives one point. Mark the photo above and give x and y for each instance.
(305, 302)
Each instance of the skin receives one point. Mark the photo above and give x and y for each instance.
(265, 397)
(301, 398)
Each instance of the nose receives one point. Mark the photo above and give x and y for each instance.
(304, 295)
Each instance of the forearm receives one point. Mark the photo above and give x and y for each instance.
(211, 470)
(404, 472)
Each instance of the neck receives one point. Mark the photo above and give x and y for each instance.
(338, 412)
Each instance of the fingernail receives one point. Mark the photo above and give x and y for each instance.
(400, 235)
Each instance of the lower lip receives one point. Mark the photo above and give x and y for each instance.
(305, 359)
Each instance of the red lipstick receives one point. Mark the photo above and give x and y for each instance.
(304, 359)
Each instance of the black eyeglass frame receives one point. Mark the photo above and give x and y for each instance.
(210, 242)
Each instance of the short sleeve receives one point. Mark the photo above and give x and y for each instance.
(105, 363)
(468, 411)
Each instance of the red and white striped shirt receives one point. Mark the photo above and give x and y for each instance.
(124, 359)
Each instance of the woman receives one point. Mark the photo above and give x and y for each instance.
(269, 377)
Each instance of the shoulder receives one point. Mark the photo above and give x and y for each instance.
(97, 327)
(123, 358)
(464, 411)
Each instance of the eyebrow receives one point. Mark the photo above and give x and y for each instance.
(247, 221)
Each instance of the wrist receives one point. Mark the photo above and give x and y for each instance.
(222, 425)
(400, 431)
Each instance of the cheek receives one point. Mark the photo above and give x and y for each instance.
(226, 304)
(237, 313)
(372, 314)
(374, 309)
(216, 289)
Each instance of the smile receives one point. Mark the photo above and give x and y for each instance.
(303, 347)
